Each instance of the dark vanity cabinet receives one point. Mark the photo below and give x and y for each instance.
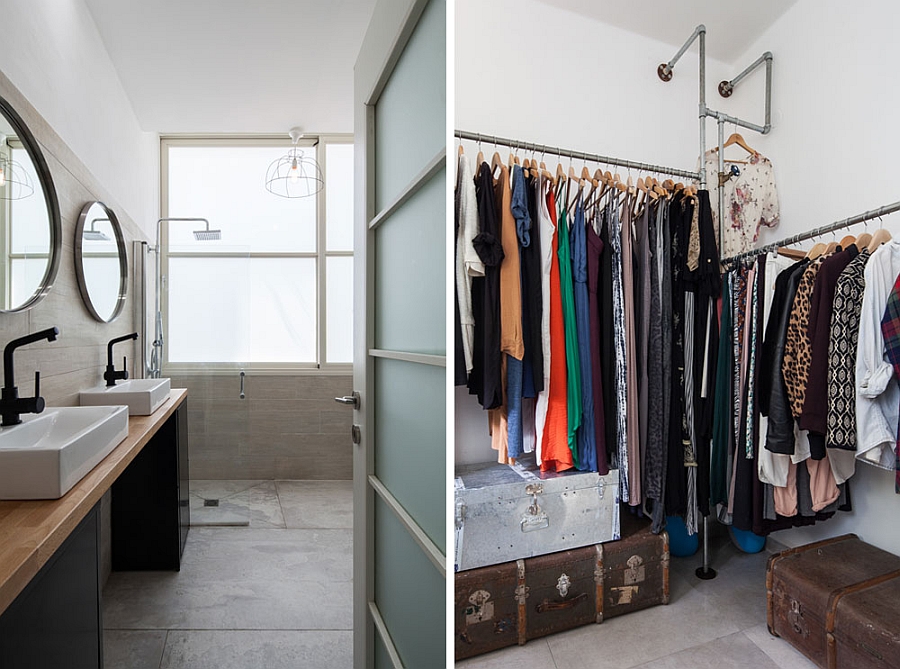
(150, 504)
(55, 621)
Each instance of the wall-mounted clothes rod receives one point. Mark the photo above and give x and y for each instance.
(571, 153)
(816, 232)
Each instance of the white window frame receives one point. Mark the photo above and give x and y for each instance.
(322, 367)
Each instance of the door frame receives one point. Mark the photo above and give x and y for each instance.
(391, 26)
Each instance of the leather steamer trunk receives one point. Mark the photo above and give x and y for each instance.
(509, 603)
(816, 591)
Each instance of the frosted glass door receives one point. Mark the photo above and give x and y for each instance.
(399, 351)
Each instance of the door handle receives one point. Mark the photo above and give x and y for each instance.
(351, 400)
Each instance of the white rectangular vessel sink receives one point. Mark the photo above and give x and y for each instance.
(46, 454)
(141, 396)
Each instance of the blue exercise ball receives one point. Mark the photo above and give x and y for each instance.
(747, 541)
(681, 544)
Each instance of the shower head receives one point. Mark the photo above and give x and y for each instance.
(207, 235)
(94, 235)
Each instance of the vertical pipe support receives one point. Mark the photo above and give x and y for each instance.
(702, 107)
(721, 125)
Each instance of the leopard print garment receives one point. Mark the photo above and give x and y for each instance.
(797, 350)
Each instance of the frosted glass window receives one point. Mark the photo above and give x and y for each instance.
(242, 310)
(31, 223)
(26, 274)
(259, 291)
(339, 197)
(339, 309)
(226, 184)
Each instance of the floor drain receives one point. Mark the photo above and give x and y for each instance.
(210, 502)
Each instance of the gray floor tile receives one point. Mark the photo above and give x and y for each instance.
(235, 649)
(734, 651)
(127, 649)
(253, 503)
(533, 655)
(151, 601)
(782, 653)
(316, 503)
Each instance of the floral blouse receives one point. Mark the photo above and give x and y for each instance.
(750, 201)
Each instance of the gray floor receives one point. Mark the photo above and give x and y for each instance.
(717, 624)
(276, 593)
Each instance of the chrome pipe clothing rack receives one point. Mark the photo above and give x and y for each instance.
(516, 144)
(816, 232)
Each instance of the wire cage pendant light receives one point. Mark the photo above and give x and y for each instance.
(15, 182)
(294, 174)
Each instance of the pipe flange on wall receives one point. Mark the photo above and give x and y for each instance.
(664, 72)
(725, 89)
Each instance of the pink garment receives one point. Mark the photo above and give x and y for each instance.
(786, 497)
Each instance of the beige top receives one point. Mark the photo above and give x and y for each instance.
(32, 530)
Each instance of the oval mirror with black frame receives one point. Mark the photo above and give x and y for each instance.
(30, 225)
(100, 261)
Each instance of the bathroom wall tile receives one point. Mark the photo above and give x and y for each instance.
(282, 416)
(133, 649)
(273, 650)
(220, 468)
(337, 421)
(271, 387)
(215, 445)
(319, 468)
(324, 387)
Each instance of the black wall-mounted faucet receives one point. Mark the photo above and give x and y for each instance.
(111, 375)
(11, 405)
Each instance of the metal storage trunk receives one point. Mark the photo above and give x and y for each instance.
(507, 512)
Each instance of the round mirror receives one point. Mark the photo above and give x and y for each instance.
(29, 217)
(100, 261)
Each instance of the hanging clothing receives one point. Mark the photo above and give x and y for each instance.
(594, 251)
(796, 349)
(618, 315)
(555, 452)
(524, 207)
(608, 369)
(842, 346)
(511, 337)
(890, 329)
(573, 364)
(751, 201)
(547, 253)
(815, 403)
(585, 436)
(485, 380)
(877, 399)
(632, 425)
(468, 264)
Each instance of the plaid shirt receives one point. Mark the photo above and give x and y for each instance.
(890, 328)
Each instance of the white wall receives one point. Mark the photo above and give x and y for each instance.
(529, 71)
(52, 52)
(835, 147)
(834, 143)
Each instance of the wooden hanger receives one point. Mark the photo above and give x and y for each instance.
(847, 242)
(816, 250)
(879, 237)
(830, 248)
(460, 150)
(736, 138)
(862, 242)
(496, 161)
(796, 254)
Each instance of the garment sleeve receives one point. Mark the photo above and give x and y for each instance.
(769, 215)
(872, 372)
(469, 227)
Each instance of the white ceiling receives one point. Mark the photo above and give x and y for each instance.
(731, 26)
(208, 66)
(213, 66)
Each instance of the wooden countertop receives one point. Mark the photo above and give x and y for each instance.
(32, 530)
